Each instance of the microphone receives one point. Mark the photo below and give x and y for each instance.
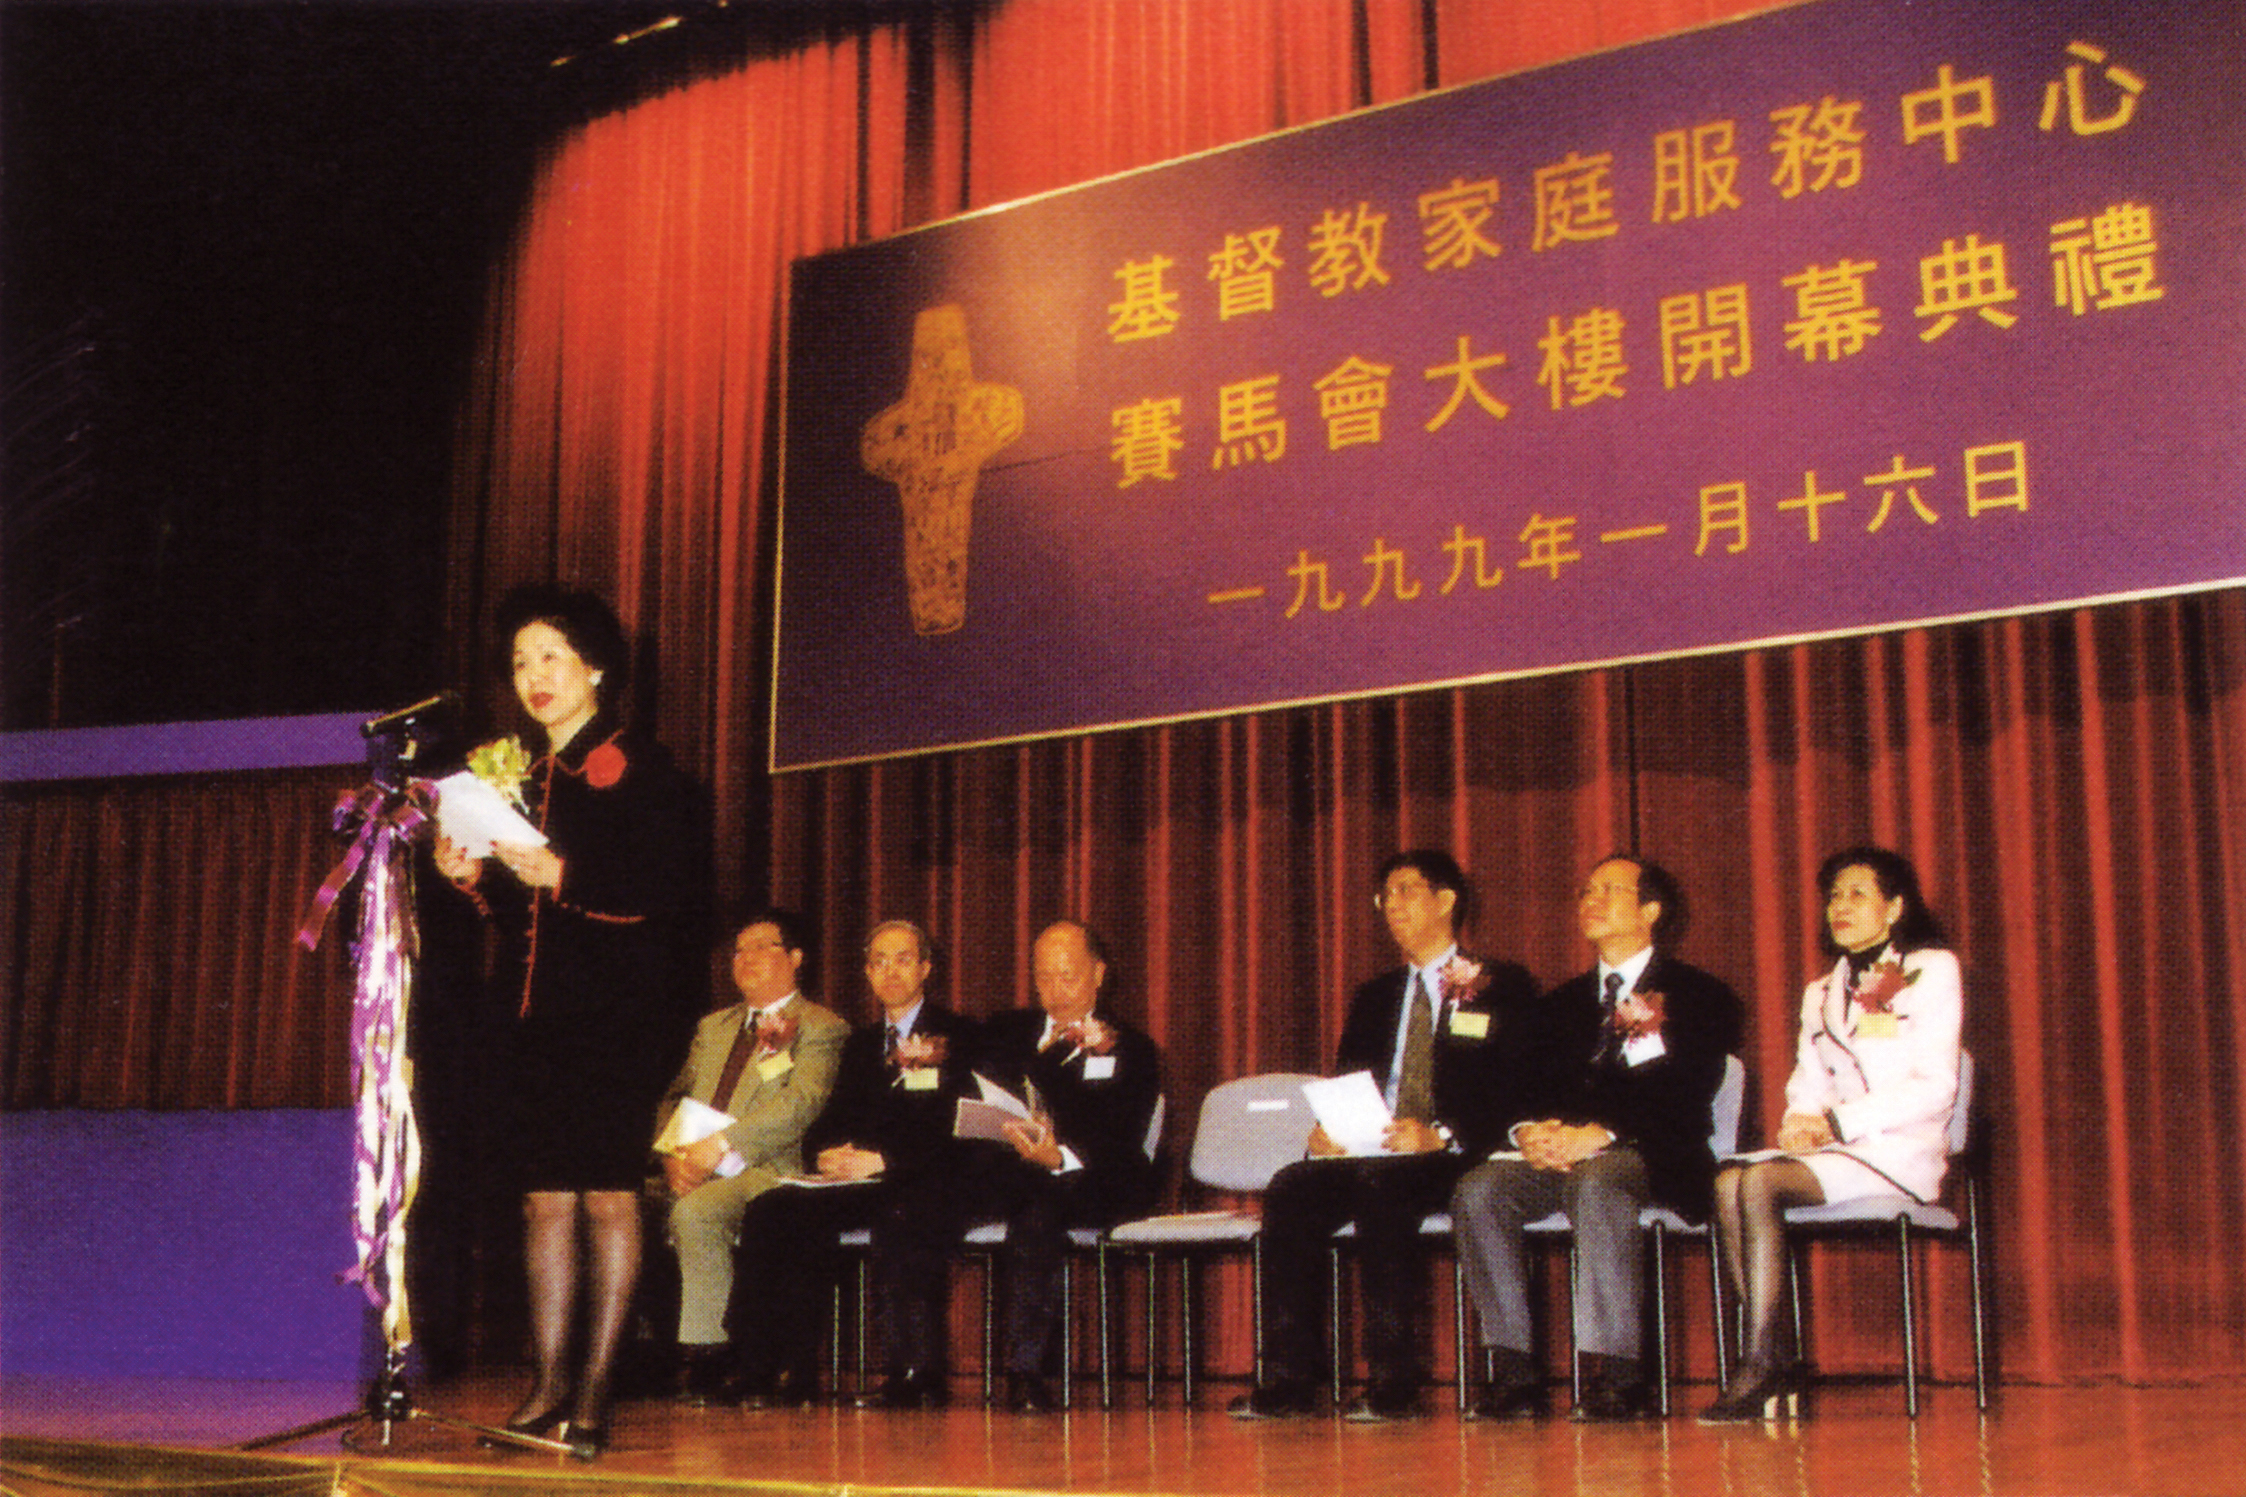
(406, 717)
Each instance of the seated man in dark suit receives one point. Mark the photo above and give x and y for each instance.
(1082, 1163)
(885, 1132)
(1443, 1037)
(1639, 1042)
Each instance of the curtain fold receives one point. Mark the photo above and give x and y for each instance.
(2069, 785)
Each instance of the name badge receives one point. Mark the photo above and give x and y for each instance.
(1646, 1047)
(1876, 1027)
(1099, 1067)
(773, 1067)
(1470, 1024)
(923, 1079)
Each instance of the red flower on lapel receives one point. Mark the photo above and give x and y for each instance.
(1088, 1035)
(604, 766)
(1463, 980)
(1877, 989)
(920, 1051)
(774, 1035)
(1638, 1014)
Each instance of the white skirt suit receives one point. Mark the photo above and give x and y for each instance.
(1890, 1096)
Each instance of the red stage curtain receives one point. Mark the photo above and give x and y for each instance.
(2068, 785)
(2071, 786)
(147, 942)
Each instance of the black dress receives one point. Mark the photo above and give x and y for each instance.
(606, 974)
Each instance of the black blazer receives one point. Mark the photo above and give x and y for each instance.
(1660, 1107)
(1482, 1085)
(1103, 1119)
(871, 1107)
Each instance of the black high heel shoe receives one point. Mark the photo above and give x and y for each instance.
(540, 1426)
(1760, 1394)
(587, 1441)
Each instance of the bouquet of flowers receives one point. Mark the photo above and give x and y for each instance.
(503, 764)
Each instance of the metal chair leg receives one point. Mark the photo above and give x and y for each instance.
(1185, 1329)
(1661, 1314)
(1980, 1312)
(1255, 1304)
(1150, 1321)
(1068, 1333)
(1910, 1318)
(1715, 1288)
(1459, 1331)
(1107, 1379)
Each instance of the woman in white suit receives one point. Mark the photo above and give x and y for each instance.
(1867, 1107)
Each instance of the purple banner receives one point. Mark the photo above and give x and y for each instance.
(1832, 319)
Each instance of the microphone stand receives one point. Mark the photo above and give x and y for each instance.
(384, 819)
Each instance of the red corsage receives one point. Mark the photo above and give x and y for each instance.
(1639, 1014)
(604, 766)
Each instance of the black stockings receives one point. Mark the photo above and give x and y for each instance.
(550, 1256)
(1751, 1202)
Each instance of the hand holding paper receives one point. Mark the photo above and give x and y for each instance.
(473, 816)
(1352, 1111)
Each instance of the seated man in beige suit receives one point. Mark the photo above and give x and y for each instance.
(768, 1062)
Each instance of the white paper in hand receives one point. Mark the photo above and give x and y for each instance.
(1002, 1099)
(690, 1123)
(1351, 1110)
(473, 816)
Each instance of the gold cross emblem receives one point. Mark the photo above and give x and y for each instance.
(931, 445)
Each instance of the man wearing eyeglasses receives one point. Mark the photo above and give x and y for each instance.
(885, 1134)
(1442, 1036)
(766, 1065)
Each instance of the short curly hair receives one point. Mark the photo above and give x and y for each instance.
(582, 618)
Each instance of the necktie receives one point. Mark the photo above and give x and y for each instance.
(736, 1061)
(1415, 1079)
(1609, 1041)
(889, 1044)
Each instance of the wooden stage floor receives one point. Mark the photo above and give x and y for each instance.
(2037, 1442)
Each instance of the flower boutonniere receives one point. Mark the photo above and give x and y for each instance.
(1638, 1014)
(921, 1052)
(775, 1032)
(1464, 979)
(503, 764)
(1876, 991)
(1087, 1036)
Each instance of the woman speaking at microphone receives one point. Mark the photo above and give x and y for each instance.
(601, 931)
